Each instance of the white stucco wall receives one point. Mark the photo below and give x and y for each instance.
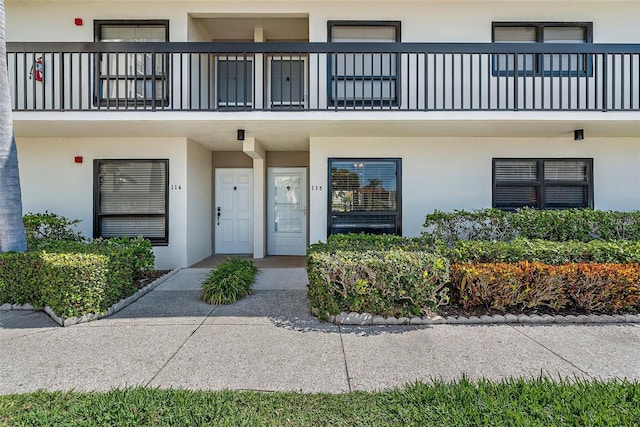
(426, 21)
(199, 204)
(51, 181)
(455, 173)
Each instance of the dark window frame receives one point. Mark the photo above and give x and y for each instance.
(397, 212)
(393, 102)
(97, 216)
(100, 100)
(587, 60)
(541, 184)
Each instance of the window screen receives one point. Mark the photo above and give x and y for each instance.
(364, 196)
(364, 78)
(542, 183)
(131, 199)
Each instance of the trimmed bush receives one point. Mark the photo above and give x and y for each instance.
(231, 280)
(528, 285)
(391, 283)
(20, 278)
(366, 242)
(44, 228)
(599, 251)
(75, 278)
(555, 225)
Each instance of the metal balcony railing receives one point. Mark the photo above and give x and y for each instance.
(190, 76)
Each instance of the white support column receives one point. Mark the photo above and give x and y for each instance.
(259, 77)
(254, 150)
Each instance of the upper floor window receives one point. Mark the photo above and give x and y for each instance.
(542, 183)
(552, 64)
(360, 78)
(133, 78)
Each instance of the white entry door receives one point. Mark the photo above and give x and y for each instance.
(233, 211)
(287, 211)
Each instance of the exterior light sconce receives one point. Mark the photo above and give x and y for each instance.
(578, 134)
(240, 135)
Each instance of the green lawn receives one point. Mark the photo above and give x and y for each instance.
(536, 402)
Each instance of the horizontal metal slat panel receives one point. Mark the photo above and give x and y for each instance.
(516, 170)
(151, 227)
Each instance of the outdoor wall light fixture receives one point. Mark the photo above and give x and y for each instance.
(240, 135)
(578, 134)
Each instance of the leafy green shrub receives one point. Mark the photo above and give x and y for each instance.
(367, 242)
(614, 251)
(392, 283)
(43, 228)
(555, 225)
(577, 286)
(75, 278)
(231, 280)
(20, 278)
(77, 284)
(481, 224)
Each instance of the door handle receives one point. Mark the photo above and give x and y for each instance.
(218, 215)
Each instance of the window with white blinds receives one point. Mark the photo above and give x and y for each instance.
(138, 78)
(542, 183)
(364, 78)
(544, 32)
(131, 199)
(364, 196)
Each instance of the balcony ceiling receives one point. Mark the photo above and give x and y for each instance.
(291, 131)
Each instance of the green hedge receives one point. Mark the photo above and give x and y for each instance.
(75, 278)
(554, 225)
(367, 242)
(600, 251)
(391, 283)
(43, 228)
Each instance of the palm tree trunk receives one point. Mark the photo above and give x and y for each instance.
(12, 238)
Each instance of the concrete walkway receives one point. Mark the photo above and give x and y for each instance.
(269, 341)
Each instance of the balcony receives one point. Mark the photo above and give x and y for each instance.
(184, 76)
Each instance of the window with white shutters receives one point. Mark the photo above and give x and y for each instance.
(542, 183)
(131, 199)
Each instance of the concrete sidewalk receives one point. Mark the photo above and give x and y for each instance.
(269, 341)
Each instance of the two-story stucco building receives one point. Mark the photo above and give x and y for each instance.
(260, 126)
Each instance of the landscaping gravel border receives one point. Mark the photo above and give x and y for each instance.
(94, 316)
(362, 319)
